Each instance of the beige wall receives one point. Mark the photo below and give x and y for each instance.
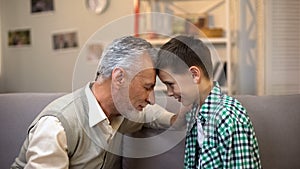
(1, 67)
(38, 68)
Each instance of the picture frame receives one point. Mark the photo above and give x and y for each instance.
(64, 40)
(42, 6)
(19, 37)
(94, 52)
(97, 6)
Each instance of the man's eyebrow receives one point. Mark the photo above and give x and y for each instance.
(150, 84)
(167, 82)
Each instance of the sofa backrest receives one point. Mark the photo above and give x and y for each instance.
(276, 120)
(17, 110)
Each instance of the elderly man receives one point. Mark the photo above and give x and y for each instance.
(78, 130)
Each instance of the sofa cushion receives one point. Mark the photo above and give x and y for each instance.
(168, 147)
(276, 120)
(17, 110)
(171, 154)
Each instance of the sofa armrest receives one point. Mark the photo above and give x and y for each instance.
(17, 112)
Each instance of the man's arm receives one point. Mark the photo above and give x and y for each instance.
(178, 121)
(47, 146)
(159, 117)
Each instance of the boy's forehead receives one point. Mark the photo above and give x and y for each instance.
(165, 70)
(168, 71)
(168, 74)
(165, 74)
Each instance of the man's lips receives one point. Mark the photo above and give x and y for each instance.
(178, 98)
(140, 107)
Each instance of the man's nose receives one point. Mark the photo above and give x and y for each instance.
(170, 92)
(151, 98)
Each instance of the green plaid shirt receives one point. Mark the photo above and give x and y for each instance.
(229, 138)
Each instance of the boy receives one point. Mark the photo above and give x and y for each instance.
(219, 131)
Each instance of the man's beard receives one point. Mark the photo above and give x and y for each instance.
(123, 105)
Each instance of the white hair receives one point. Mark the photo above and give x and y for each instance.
(124, 52)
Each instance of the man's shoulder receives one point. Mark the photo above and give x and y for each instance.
(65, 102)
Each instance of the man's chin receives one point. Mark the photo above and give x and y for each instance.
(132, 114)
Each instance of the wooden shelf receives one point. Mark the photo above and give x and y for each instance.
(157, 42)
(177, 0)
(225, 42)
(163, 88)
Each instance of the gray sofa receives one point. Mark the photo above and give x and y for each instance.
(276, 120)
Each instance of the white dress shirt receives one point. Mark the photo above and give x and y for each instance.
(47, 139)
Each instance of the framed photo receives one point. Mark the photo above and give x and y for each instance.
(97, 6)
(39, 6)
(65, 40)
(19, 37)
(94, 52)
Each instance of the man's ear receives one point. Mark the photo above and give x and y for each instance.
(118, 76)
(196, 74)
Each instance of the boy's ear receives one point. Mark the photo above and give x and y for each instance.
(196, 74)
(118, 76)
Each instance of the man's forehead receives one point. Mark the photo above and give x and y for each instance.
(147, 73)
(146, 76)
(146, 63)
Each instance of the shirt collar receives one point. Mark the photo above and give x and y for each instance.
(96, 114)
(211, 103)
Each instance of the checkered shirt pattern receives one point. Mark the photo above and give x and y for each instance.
(229, 137)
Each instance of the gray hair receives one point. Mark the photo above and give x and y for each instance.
(124, 52)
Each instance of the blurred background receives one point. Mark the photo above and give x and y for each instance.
(256, 43)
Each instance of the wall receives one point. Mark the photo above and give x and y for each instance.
(1, 71)
(1, 56)
(38, 68)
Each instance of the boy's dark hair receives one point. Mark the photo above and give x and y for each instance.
(182, 52)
